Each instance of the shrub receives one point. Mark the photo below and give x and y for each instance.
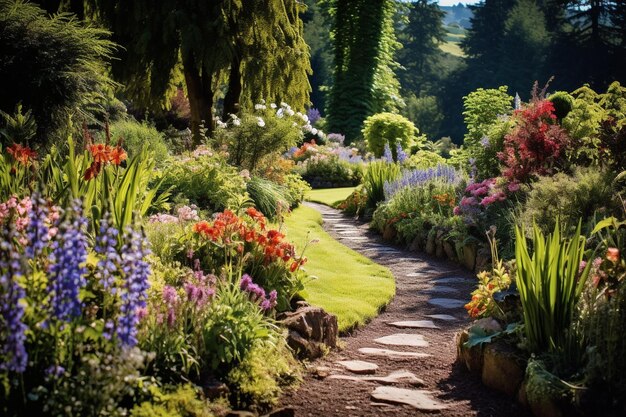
(54, 66)
(389, 129)
(425, 113)
(139, 137)
(563, 104)
(536, 145)
(424, 160)
(205, 179)
(263, 133)
(481, 109)
(328, 171)
(567, 198)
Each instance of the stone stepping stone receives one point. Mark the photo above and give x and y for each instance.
(419, 399)
(417, 274)
(359, 367)
(349, 232)
(447, 302)
(441, 289)
(452, 280)
(414, 324)
(392, 354)
(354, 238)
(397, 377)
(444, 317)
(403, 339)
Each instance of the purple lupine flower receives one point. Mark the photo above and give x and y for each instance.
(401, 155)
(106, 245)
(66, 275)
(136, 271)
(314, 115)
(55, 371)
(37, 231)
(12, 328)
(387, 155)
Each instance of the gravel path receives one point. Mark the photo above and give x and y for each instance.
(401, 371)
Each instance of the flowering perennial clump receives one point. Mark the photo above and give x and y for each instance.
(102, 155)
(418, 177)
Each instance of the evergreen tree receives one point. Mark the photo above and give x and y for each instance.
(316, 34)
(363, 79)
(524, 44)
(420, 44)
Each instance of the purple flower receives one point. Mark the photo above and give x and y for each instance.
(246, 281)
(387, 155)
(55, 371)
(336, 137)
(401, 155)
(106, 245)
(37, 231)
(65, 275)
(136, 271)
(418, 177)
(485, 142)
(12, 330)
(314, 115)
(170, 296)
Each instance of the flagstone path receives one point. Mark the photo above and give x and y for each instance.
(403, 361)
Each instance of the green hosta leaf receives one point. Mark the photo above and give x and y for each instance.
(478, 336)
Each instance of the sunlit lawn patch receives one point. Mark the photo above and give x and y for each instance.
(329, 196)
(348, 284)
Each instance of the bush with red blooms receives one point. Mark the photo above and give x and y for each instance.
(245, 242)
(536, 144)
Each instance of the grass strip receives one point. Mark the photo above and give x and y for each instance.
(347, 284)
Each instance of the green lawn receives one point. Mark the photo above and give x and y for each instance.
(329, 196)
(452, 48)
(347, 284)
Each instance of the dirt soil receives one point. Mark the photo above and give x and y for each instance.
(448, 381)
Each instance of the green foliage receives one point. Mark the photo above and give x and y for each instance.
(391, 129)
(259, 136)
(550, 285)
(18, 128)
(206, 180)
(296, 189)
(563, 103)
(258, 379)
(330, 171)
(486, 159)
(481, 109)
(424, 160)
(55, 66)
(363, 83)
(140, 137)
(425, 113)
(377, 174)
(180, 401)
(568, 198)
(270, 198)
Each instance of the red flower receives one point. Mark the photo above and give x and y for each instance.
(22, 154)
(612, 254)
(117, 155)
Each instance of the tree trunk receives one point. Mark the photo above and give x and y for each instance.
(200, 96)
(231, 100)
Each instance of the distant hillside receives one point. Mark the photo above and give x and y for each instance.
(458, 14)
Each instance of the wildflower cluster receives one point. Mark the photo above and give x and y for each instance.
(480, 195)
(482, 303)
(417, 178)
(608, 272)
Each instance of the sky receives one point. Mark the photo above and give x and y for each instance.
(454, 2)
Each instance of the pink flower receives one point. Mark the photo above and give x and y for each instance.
(142, 313)
(170, 296)
(456, 211)
(513, 187)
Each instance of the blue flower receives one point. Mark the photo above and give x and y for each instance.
(419, 177)
(137, 271)
(13, 353)
(66, 272)
(387, 155)
(106, 245)
(37, 230)
(400, 153)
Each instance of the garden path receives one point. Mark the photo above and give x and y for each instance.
(408, 352)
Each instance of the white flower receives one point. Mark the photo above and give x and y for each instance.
(279, 113)
(314, 131)
(273, 105)
(221, 125)
(233, 116)
(285, 105)
(260, 107)
(295, 124)
(236, 122)
(290, 112)
(260, 122)
(304, 117)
